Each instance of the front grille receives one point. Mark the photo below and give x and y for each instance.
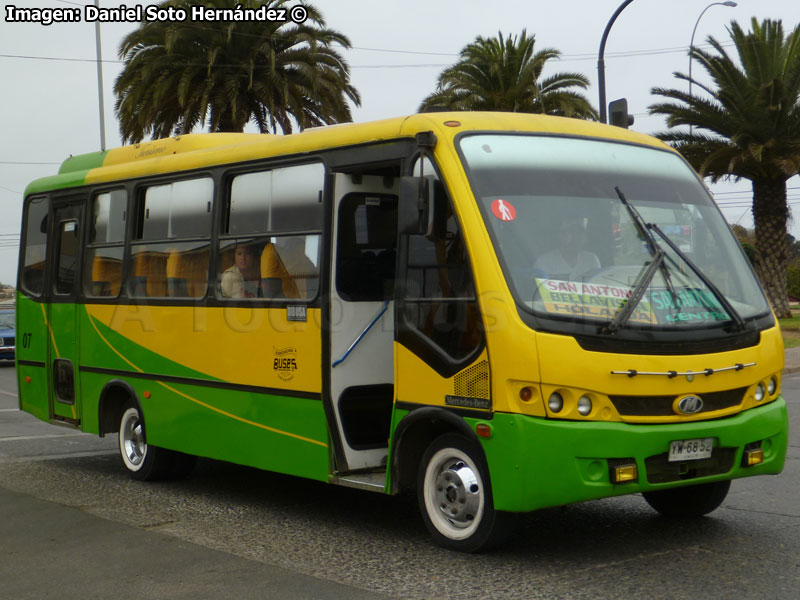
(660, 470)
(661, 406)
(9, 341)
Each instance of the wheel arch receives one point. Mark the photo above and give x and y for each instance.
(412, 437)
(115, 395)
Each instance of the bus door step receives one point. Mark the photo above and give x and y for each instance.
(374, 482)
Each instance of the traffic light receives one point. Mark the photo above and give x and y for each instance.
(618, 113)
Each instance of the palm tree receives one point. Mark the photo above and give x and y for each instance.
(180, 75)
(505, 74)
(747, 126)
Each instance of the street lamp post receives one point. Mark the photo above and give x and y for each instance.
(601, 65)
(100, 81)
(691, 43)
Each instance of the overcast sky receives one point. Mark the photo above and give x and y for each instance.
(49, 101)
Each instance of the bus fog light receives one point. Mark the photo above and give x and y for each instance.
(584, 405)
(625, 473)
(753, 457)
(759, 392)
(772, 386)
(556, 402)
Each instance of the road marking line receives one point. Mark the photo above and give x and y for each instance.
(9, 410)
(24, 459)
(8, 394)
(21, 438)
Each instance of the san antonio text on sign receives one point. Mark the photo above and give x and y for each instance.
(605, 301)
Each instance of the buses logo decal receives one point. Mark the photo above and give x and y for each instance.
(285, 362)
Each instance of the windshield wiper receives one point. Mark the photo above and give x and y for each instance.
(646, 276)
(732, 312)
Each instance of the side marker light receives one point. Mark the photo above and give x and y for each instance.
(483, 430)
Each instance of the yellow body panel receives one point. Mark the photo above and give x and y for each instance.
(238, 345)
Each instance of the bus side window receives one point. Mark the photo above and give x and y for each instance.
(104, 251)
(35, 249)
(170, 254)
(280, 213)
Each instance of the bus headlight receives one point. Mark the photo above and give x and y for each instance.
(772, 386)
(759, 395)
(555, 402)
(584, 405)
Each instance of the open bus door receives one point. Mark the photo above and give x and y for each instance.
(362, 324)
(65, 251)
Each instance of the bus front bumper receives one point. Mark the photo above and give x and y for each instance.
(537, 463)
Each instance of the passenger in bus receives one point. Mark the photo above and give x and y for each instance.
(569, 261)
(286, 271)
(241, 279)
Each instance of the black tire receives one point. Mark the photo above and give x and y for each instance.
(690, 501)
(143, 461)
(455, 496)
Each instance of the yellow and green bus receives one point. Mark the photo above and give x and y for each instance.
(500, 312)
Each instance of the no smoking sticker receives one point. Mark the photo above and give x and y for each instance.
(504, 210)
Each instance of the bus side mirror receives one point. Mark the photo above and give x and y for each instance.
(421, 209)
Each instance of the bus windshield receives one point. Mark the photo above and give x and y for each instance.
(583, 226)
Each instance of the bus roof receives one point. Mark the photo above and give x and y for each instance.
(198, 150)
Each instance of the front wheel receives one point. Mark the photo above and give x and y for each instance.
(455, 496)
(690, 501)
(144, 462)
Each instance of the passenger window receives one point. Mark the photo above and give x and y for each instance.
(271, 233)
(181, 209)
(170, 257)
(109, 213)
(285, 267)
(102, 274)
(169, 270)
(35, 250)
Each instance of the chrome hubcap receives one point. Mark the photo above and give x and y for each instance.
(458, 493)
(133, 444)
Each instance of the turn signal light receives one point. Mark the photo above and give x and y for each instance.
(753, 457)
(625, 473)
(483, 430)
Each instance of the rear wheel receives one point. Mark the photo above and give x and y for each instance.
(455, 496)
(690, 501)
(143, 461)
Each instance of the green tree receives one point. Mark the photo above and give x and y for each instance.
(505, 74)
(180, 75)
(746, 126)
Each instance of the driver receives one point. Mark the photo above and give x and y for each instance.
(569, 261)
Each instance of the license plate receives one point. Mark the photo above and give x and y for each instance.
(690, 449)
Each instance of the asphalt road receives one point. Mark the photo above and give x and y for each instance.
(73, 525)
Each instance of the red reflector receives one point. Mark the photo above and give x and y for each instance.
(27, 379)
(147, 394)
(483, 430)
